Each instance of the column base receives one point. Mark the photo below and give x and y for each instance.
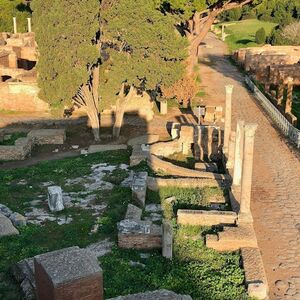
(245, 218)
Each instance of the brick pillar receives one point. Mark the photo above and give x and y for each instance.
(12, 60)
(246, 184)
(29, 24)
(289, 99)
(280, 92)
(227, 129)
(15, 25)
(163, 107)
(231, 150)
(239, 149)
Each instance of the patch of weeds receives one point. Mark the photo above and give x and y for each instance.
(181, 160)
(115, 211)
(201, 93)
(116, 176)
(13, 138)
(143, 167)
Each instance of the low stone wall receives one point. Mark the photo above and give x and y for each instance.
(103, 148)
(158, 165)
(166, 148)
(155, 183)
(140, 241)
(205, 218)
(23, 146)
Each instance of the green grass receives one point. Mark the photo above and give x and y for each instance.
(13, 138)
(242, 33)
(296, 104)
(195, 270)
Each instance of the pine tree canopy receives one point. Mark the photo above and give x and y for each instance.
(65, 31)
(144, 48)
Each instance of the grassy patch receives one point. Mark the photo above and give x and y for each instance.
(195, 270)
(13, 138)
(241, 34)
(181, 160)
(116, 176)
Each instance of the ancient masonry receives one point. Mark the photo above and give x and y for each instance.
(278, 69)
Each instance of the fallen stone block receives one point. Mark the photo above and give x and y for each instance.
(48, 136)
(233, 238)
(255, 277)
(205, 217)
(133, 213)
(155, 295)
(139, 235)
(5, 210)
(103, 148)
(70, 273)
(6, 226)
(55, 198)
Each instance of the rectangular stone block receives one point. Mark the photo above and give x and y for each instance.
(139, 188)
(205, 218)
(70, 273)
(48, 136)
(167, 246)
(255, 277)
(103, 148)
(133, 213)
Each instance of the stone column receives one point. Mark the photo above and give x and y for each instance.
(12, 60)
(289, 99)
(280, 94)
(227, 129)
(15, 25)
(29, 24)
(167, 240)
(163, 107)
(239, 149)
(246, 184)
(231, 150)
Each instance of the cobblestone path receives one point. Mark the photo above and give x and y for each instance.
(276, 176)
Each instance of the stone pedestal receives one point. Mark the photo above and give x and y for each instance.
(239, 149)
(167, 240)
(175, 130)
(70, 273)
(15, 25)
(55, 200)
(29, 24)
(246, 183)
(139, 188)
(231, 149)
(163, 107)
(227, 129)
(289, 98)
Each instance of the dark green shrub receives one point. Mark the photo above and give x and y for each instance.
(260, 36)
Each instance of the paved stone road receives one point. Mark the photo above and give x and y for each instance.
(276, 176)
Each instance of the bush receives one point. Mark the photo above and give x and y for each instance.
(260, 36)
(234, 14)
(288, 35)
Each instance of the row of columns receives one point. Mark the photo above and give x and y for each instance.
(15, 25)
(238, 149)
(289, 98)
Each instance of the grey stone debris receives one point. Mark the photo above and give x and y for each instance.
(154, 217)
(131, 226)
(55, 199)
(136, 264)
(139, 188)
(5, 210)
(167, 248)
(153, 208)
(133, 213)
(17, 219)
(100, 248)
(7, 137)
(145, 255)
(155, 295)
(6, 226)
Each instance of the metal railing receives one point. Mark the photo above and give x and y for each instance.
(282, 123)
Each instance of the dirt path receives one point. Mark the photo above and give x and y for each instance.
(276, 176)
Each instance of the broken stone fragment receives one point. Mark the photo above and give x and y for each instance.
(17, 219)
(131, 226)
(55, 199)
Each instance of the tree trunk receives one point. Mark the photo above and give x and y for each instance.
(196, 41)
